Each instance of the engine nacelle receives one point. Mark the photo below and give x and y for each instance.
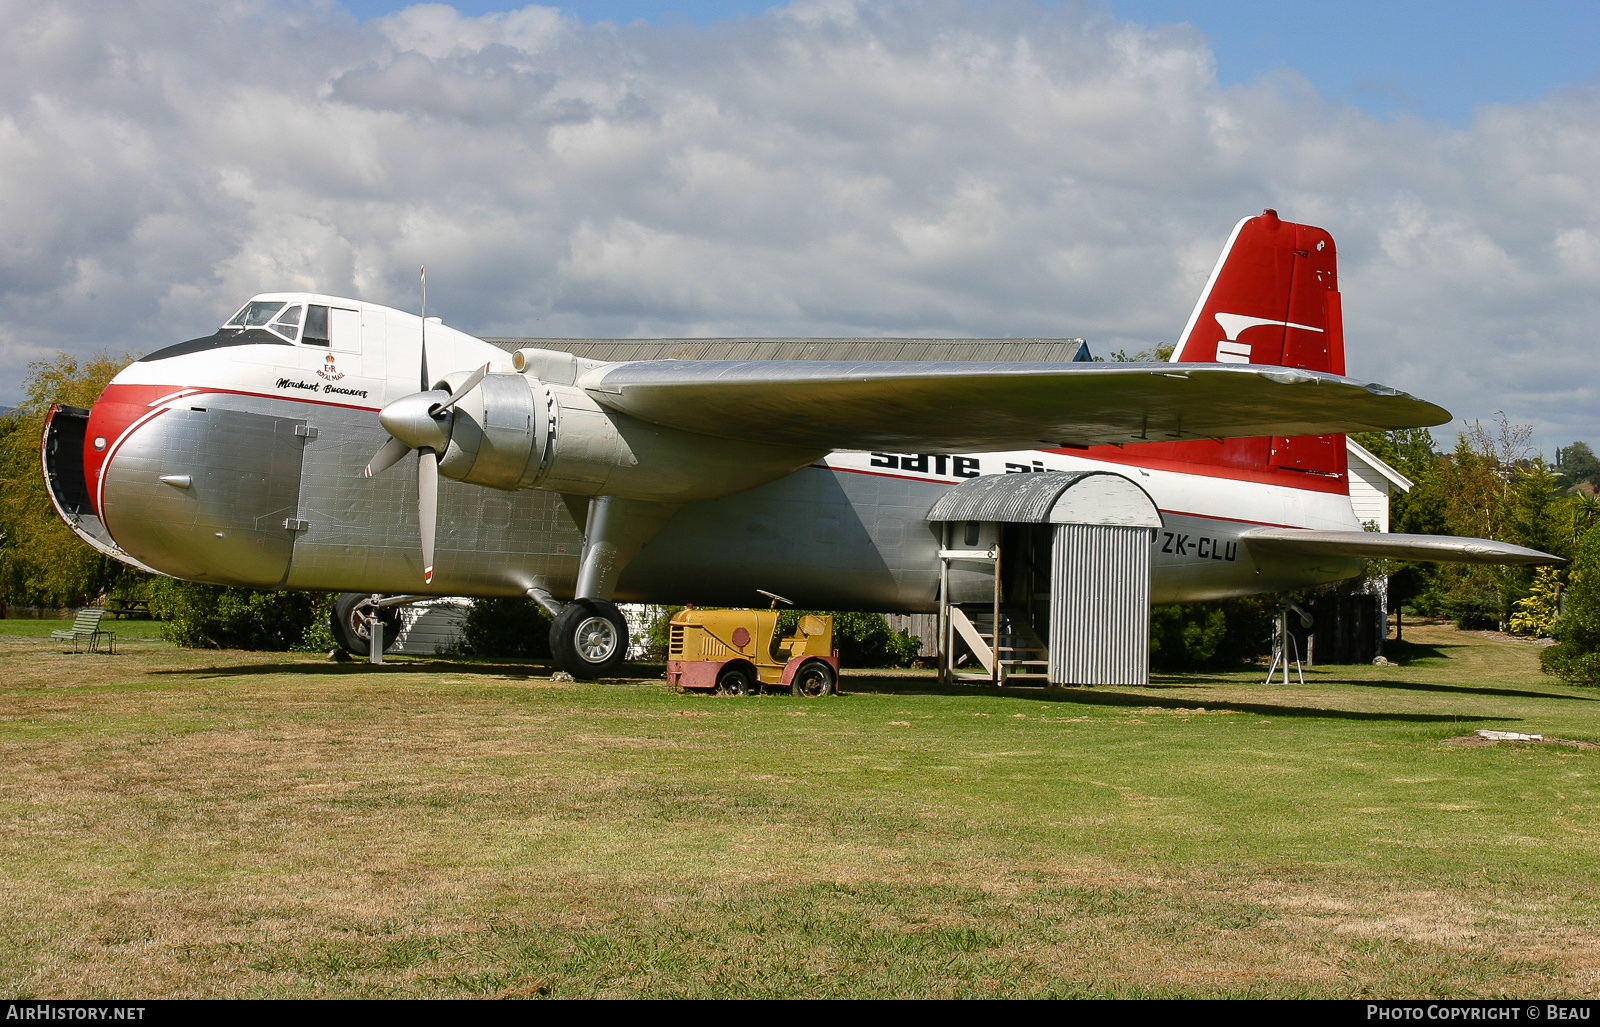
(515, 431)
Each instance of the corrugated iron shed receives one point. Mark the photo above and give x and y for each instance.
(1051, 350)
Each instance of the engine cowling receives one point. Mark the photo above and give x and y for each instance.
(515, 431)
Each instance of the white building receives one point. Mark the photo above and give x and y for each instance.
(1371, 482)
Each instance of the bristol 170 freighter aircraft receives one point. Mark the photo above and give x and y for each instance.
(302, 446)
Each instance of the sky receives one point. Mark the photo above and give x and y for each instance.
(825, 167)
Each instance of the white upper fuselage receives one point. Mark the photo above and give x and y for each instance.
(847, 532)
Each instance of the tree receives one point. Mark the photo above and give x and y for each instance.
(1420, 511)
(1153, 355)
(1577, 464)
(43, 563)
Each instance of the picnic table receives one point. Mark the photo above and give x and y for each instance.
(129, 608)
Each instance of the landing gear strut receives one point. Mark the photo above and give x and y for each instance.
(589, 638)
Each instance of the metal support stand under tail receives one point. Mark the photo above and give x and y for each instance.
(1288, 646)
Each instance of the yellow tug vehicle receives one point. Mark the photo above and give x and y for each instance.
(731, 652)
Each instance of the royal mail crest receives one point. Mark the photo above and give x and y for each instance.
(329, 371)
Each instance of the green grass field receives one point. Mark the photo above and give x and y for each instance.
(35, 627)
(184, 823)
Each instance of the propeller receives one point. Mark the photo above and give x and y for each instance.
(422, 421)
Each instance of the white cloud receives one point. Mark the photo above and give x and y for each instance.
(831, 167)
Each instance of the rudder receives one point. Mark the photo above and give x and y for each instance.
(1273, 298)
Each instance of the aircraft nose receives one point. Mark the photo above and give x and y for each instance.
(208, 495)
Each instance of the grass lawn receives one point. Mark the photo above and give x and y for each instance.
(37, 627)
(186, 823)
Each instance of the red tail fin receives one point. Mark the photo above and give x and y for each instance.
(1273, 298)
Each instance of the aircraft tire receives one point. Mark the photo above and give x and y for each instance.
(813, 680)
(589, 638)
(347, 624)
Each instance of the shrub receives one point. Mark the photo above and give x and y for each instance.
(1535, 613)
(200, 616)
(317, 638)
(505, 628)
(1576, 655)
(656, 639)
(1198, 636)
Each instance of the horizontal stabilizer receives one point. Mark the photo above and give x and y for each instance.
(1378, 545)
(961, 406)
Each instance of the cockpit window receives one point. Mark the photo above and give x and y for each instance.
(316, 325)
(288, 323)
(255, 314)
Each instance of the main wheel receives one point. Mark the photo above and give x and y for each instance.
(735, 680)
(351, 628)
(813, 680)
(589, 638)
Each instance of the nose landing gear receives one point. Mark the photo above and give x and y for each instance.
(350, 622)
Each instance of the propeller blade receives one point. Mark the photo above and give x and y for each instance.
(387, 457)
(427, 505)
(466, 387)
(423, 273)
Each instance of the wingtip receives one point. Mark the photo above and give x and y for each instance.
(427, 576)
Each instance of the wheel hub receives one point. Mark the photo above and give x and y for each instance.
(596, 639)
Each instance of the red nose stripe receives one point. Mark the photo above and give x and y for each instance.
(110, 419)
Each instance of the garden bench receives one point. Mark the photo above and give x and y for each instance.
(86, 626)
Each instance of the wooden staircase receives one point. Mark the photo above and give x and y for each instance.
(1023, 658)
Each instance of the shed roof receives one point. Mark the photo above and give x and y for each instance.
(1045, 497)
(1367, 457)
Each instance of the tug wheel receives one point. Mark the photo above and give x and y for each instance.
(813, 680)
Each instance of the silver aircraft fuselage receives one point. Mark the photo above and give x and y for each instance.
(241, 464)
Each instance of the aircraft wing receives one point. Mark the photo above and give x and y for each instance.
(960, 406)
(1380, 545)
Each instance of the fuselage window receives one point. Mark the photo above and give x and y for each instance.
(972, 533)
(255, 314)
(316, 326)
(288, 323)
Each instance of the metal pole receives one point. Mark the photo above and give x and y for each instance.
(375, 633)
(945, 661)
(994, 673)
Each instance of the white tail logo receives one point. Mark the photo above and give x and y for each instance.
(1233, 351)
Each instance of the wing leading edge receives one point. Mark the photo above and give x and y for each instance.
(1379, 545)
(957, 406)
